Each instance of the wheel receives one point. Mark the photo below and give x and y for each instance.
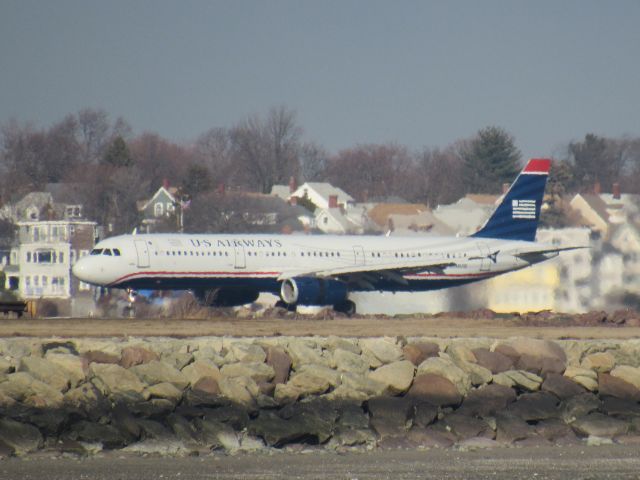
(347, 307)
(289, 307)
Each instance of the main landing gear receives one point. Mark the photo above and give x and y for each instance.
(347, 307)
(289, 307)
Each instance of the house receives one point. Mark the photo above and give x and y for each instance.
(322, 195)
(161, 207)
(592, 211)
(464, 217)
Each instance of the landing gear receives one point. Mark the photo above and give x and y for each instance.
(347, 307)
(289, 307)
(130, 309)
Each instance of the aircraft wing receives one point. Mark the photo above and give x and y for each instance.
(535, 256)
(363, 274)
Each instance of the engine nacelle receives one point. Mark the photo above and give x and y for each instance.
(313, 291)
(226, 297)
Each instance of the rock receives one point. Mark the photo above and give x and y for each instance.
(91, 432)
(579, 406)
(302, 354)
(305, 422)
(444, 367)
(536, 356)
(46, 372)
(132, 356)
(628, 374)
(160, 448)
(390, 416)
(199, 369)
(164, 390)
(510, 428)
(617, 387)
(204, 392)
(5, 366)
(431, 437)
(535, 406)
(214, 434)
(583, 376)
(435, 390)
(247, 352)
(320, 371)
(417, 353)
(117, 382)
(346, 361)
(396, 376)
(553, 429)
(352, 417)
(178, 360)
(381, 350)
(6, 402)
(20, 438)
(461, 354)
(308, 383)
(518, 378)
(126, 423)
(334, 343)
(285, 393)
(232, 415)
(350, 437)
(488, 400)
(363, 384)
(465, 426)
(21, 386)
(424, 414)
(182, 428)
(496, 362)
(561, 386)
(478, 375)
(240, 390)
(280, 361)
(86, 400)
(477, 443)
(97, 356)
(75, 367)
(155, 371)
(260, 372)
(620, 407)
(599, 425)
(600, 362)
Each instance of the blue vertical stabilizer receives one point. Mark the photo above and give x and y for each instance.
(516, 218)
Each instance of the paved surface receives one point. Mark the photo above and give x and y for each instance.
(303, 326)
(575, 462)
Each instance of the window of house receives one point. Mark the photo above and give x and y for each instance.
(27, 281)
(61, 257)
(158, 209)
(45, 256)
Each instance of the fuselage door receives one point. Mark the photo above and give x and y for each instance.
(240, 260)
(485, 261)
(358, 253)
(143, 253)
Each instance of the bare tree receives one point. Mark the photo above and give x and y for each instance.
(93, 133)
(267, 151)
(313, 162)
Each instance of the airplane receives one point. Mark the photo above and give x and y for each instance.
(323, 270)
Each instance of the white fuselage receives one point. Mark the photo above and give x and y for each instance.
(260, 262)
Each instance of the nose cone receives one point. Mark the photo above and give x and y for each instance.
(86, 271)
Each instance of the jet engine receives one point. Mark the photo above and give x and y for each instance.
(226, 297)
(313, 291)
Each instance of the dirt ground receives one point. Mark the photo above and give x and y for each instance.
(306, 326)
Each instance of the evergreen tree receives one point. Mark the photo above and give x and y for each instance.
(118, 154)
(490, 161)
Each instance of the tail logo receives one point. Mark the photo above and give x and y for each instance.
(523, 209)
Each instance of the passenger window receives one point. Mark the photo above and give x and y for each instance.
(116, 252)
(96, 251)
(107, 251)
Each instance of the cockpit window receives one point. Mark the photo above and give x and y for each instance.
(107, 251)
(96, 251)
(116, 252)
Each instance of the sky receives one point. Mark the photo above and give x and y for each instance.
(417, 73)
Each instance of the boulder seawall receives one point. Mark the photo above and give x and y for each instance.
(195, 395)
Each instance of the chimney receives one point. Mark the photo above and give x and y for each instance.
(333, 201)
(596, 188)
(165, 183)
(616, 191)
(293, 185)
(505, 188)
(221, 188)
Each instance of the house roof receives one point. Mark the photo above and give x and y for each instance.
(325, 190)
(596, 203)
(281, 191)
(483, 198)
(423, 222)
(381, 212)
(170, 192)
